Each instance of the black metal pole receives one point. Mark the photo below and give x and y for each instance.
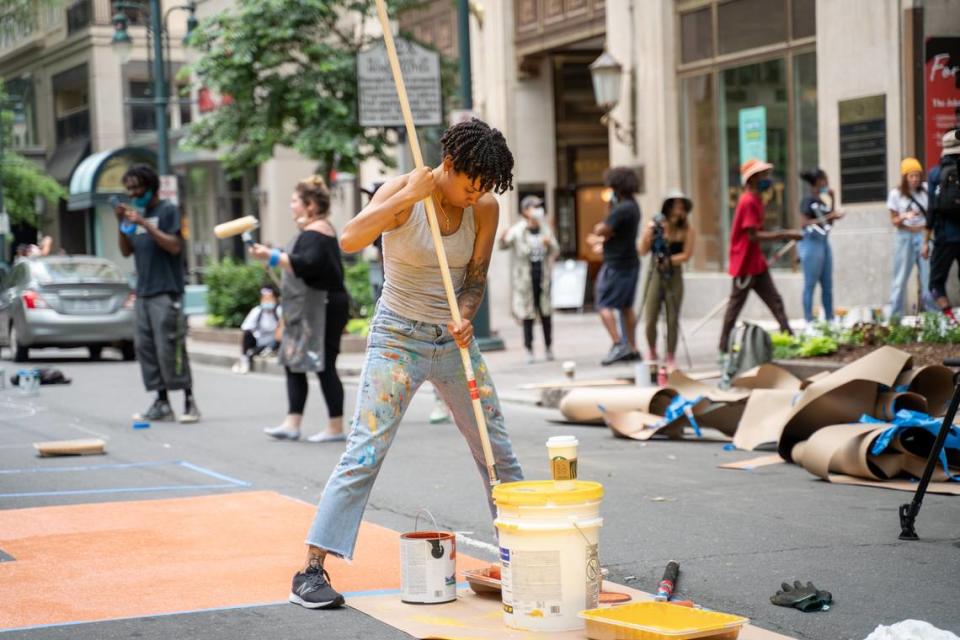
(908, 512)
(159, 89)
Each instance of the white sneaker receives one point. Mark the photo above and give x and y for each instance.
(530, 358)
(549, 355)
(282, 433)
(323, 436)
(242, 366)
(439, 415)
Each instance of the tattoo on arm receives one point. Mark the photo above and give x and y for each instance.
(474, 284)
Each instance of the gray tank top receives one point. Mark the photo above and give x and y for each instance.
(413, 287)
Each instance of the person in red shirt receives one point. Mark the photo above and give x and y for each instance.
(748, 266)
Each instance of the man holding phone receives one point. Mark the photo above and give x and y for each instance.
(150, 231)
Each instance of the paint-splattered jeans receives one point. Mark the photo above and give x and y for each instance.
(401, 355)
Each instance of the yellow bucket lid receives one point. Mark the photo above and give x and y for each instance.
(540, 493)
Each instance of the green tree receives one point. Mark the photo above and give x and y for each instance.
(290, 68)
(22, 181)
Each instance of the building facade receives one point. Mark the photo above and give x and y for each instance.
(842, 85)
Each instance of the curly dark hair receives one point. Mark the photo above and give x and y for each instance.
(144, 175)
(623, 181)
(480, 152)
(314, 189)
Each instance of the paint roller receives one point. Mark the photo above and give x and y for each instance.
(437, 238)
(240, 227)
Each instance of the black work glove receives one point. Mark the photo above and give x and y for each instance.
(805, 598)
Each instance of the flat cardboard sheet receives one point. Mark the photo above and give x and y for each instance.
(583, 405)
(943, 488)
(474, 617)
(83, 447)
(753, 463)
(574, 384)
(690, 388)
(841, 397)
(639, 425)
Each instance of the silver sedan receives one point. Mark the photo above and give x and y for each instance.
(66, 301)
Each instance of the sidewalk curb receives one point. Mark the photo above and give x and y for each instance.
(348, 374)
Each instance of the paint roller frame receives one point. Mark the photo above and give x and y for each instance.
(437, 238)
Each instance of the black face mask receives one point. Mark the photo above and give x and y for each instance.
(533, 229)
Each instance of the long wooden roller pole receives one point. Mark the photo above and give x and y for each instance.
(437, 240)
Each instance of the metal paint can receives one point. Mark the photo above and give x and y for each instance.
(428, 566)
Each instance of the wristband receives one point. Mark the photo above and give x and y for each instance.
(128, 228)
(274, 258)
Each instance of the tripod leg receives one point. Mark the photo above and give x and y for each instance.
(908, 512)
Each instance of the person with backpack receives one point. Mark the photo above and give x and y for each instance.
(748, 266)
(908, 204)
(943, 223)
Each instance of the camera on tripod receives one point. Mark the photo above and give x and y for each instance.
(660, 248)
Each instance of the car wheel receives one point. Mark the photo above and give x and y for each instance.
(17, 351)
(128, 352)
(95, 351)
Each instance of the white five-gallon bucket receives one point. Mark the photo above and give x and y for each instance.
(549, 542)
(428, 566)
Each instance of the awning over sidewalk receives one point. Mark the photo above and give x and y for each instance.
(100, 176)
(66, 157)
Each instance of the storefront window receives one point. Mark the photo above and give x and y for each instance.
(804, 18)
(702, 170)
(745, 24)
(696, 35)
(752, 94)
(805, 115)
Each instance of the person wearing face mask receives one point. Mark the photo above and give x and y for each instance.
(817, 208)
(533, 247)
(260, 329)
(316, 308)
(747, 264)
(150, 231)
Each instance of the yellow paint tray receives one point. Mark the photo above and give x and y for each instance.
(660, 621)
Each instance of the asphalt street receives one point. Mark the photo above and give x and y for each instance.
(736, 534)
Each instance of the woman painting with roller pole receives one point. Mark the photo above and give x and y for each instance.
(412, 338)
(315, 310)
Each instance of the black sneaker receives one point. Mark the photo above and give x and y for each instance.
(159, 411)
(311, 589)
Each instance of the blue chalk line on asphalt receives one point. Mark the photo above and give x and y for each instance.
(229, 482)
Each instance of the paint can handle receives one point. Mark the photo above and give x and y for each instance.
(416, 520)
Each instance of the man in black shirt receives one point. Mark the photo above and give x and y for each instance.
(617, 280)
(154, 239)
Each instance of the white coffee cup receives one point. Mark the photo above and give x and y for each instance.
(569, 369)
(562, 451)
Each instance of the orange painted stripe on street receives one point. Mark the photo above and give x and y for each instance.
(87, 562)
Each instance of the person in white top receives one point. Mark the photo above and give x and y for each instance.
(908, 203)
(260, 329)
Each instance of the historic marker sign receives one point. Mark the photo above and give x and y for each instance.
(379, 105)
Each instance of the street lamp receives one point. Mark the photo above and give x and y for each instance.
(123, 45)
(607, 76)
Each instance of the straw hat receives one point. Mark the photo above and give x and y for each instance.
(951, 143)
(751, 168)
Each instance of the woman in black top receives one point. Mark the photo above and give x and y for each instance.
(315, 309)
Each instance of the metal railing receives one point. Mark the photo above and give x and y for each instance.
(79, 15)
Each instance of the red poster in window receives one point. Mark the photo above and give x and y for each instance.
(942, 99)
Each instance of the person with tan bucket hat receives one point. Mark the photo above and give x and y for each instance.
(908, 204)
(943, 223)
(747, 265)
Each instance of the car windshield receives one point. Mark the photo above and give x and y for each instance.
(52, 271)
